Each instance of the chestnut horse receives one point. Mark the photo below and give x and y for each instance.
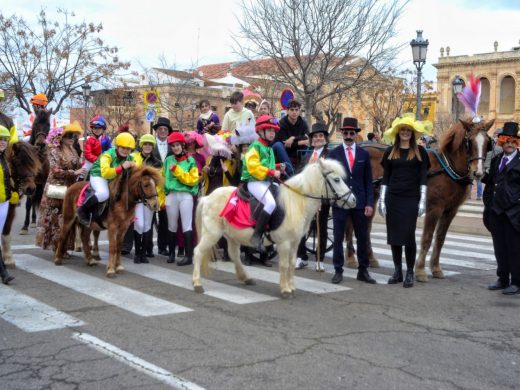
(137, 185)
(300, 197)
(24, 165)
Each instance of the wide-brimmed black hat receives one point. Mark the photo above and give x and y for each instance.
(319, 128)
(162, 121)
(510, 129)
(350, 124)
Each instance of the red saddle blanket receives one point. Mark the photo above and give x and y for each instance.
(237, 212)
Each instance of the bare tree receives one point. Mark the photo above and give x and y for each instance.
(55, 57)
(319, 47)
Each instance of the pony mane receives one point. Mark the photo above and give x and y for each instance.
(133, 177)
(452, 139)
(25, 155)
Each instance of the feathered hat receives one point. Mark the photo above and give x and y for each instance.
(216, 146)
(420, 128)
(470, 97)
(54, 136)
(244, 134)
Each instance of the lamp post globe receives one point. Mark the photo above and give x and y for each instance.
(419, 50)
(458, 85)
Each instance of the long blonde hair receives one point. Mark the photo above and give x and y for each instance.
(412, 152)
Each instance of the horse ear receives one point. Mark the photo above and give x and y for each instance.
(488, 125)
(467, 125)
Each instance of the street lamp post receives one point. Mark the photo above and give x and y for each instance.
(193, 108)
(458, 85)
(419, 49)
(86, 96)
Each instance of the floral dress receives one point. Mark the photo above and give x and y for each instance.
(50, 219)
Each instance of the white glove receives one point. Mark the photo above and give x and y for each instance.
(381, 206)
(422, 201)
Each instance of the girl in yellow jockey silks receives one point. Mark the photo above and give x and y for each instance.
(181, 185)
(259, 166)
(5, 195)
(106, 168)
(8, 122)
(143, 236)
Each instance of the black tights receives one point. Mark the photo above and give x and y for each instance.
(409, 251)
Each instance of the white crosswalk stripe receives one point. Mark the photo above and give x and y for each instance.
(103, 290)
(31, 315)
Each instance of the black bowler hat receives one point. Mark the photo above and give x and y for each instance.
(350, 124)
(162, 121)
(319, 128)
(510, 129)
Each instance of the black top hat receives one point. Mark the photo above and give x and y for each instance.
(350, 124)
(162, 121)
(319, 128)
(510, 129)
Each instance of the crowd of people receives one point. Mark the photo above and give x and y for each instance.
(252, 148)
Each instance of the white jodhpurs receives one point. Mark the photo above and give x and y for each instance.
(260, 190)
(179, 202)
(143, 218)
(100, 187)
(4, 208)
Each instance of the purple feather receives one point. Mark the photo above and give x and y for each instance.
(470, 95)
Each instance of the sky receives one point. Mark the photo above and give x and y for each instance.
(195, 32)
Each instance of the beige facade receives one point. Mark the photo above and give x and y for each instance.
(499, 73)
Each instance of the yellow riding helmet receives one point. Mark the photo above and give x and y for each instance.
(4, 133)
(73, 127)
(147, 138)
(125, 140)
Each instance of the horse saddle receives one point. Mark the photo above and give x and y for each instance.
(255, 207)
(100, 210)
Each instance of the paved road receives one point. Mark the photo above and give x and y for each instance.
(72, 328)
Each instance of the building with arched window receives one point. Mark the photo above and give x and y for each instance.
(499, 73)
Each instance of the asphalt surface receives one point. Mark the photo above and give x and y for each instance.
(444, 334)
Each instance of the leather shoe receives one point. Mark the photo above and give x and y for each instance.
(337, 278)
(498, 285)
(364, 276)
(511, 290)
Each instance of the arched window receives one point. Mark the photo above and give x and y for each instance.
(507, 95)
(483, 107)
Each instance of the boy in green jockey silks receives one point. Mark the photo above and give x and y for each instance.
(106, 168)
(181, 185)
(259, 166)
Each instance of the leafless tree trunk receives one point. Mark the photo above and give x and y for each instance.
(319, 47)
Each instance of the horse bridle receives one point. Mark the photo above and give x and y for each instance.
(328, 185)
(142, 196)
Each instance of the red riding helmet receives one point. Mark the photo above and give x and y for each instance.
(267, 122)
(176, 137)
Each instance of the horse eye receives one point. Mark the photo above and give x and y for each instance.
(336, 180)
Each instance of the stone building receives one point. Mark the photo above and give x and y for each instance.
(499, 73)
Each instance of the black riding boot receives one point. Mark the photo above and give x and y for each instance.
(256, 239)
(408, 280)
(148, 243)
(397, 257)
(188, 249)
(172, 241)
(84, 211)
(6, 278)
(138, 247)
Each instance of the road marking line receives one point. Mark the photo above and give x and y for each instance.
(218, 290)
(123, 297)
(31, 315)
(486, 239)
(136, 363)
(446, 250)
(309, 285)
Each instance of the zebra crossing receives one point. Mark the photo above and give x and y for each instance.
(460, 253)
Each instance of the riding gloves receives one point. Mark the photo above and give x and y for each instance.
(422, 201)
(382, 205)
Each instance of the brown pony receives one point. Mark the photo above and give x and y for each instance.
(125, 191)
(463, 150)
(24, 165)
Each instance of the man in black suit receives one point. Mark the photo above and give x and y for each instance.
(356, 162)
(502, 210)
(162, 129)
(319, 137)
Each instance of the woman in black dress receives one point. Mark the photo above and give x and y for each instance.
(403, 192)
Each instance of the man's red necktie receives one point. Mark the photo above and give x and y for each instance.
(350, 157)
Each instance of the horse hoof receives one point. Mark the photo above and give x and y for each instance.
(374, 263)
(33, 224)
(120, 269)
(111, 274)
(92, 263)
(250, 282)
(438, 274)
(198, 289)
(421, 278)
(287, 295)
(352, 265)
(58, 262)
(96, 257)
(24, 232)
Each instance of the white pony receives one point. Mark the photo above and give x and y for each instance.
(300, 197)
